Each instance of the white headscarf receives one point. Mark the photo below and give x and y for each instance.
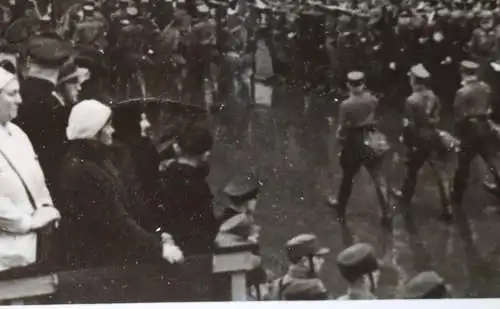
(5, 77)
(86, 119)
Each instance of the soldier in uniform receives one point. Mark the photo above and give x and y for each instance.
(472, 108)
(420, 135)
(482, 42)
(362, 145)
(301, 282)
(360, 268)
(41, 115)
(426, 285)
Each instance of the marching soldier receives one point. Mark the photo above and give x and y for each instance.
(472, 108)
(423, 140)
(362, 145)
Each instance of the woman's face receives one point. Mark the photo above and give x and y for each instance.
(106, 133)
(72, 91)
(10, 99)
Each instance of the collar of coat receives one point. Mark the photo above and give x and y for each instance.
(89, 150)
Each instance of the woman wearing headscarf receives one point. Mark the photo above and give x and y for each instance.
(69, 84)
(25, 202)
(98, 229)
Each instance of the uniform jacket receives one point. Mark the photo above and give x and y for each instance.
(472, 99)
(44, 120)
(98, 228)
(16, 247)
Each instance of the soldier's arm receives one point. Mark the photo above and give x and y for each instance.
(342, 119)
(408, 113)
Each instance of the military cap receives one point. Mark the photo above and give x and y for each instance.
(241, 186)
(356, 261)
(427, 284)
(356, 78)
(202, 8)
(469, 67)
(88, 8)
(404, 14)
(304, 245)
(144, 1)
(49, 49)
(240, 225)
(419, 71)
(132, 11)
(124, 2)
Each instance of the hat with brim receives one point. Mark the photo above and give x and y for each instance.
(357, 260)
(304, 245)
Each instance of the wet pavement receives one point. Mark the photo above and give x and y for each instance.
(295, 155)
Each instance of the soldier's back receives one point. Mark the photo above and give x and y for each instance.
(359, 110)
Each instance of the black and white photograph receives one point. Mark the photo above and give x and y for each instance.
(185, 151)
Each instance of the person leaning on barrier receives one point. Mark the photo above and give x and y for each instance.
(25, 202)
(98, 229)
(187, 211)
(426, 285)
(301, 282)
(360, 268)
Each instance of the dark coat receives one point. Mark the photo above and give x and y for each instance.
(98, 228)
(44, 120)
(187, 212)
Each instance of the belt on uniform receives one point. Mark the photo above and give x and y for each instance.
(476, 118)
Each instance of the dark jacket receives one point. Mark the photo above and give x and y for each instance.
(187, 212)
(44, 120)
(97, 228)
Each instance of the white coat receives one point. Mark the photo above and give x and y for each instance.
(17, 244)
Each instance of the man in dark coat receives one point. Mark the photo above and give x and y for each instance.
(41, 115)
(187, 212)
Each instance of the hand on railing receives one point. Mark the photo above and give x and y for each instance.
(172, 253)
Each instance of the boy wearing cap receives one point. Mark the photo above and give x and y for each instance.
(243, 193)
(362, 145)
(187, 212)
(41, 115)
(421, 136)
(360, 268)
(473, 127)
(301, 282)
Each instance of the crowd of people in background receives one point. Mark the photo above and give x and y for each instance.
(67, 178)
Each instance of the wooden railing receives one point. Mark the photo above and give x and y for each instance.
(220, 277)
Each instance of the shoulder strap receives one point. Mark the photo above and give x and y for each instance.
(28, 192)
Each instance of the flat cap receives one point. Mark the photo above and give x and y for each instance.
(427, 284)
(419, 71)
(49, 49)
(304, 245)
(240, 225)
(356, 261)
(240, 186)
